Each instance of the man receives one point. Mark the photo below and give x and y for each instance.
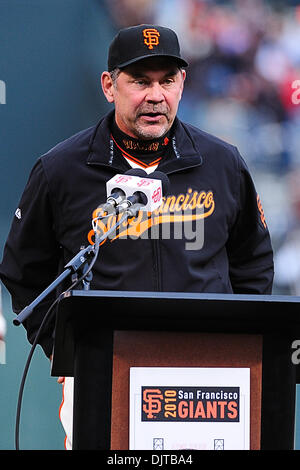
(209, 181)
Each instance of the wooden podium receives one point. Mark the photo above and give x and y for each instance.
(99, 335)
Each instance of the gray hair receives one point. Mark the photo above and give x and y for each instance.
(116, 72)
(114, 75)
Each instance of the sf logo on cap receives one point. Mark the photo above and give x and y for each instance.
(151, 36)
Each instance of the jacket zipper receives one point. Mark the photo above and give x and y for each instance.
(157, 275)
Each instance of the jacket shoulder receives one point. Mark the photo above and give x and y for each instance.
(205, 139)
(77, 142)
(215, 150)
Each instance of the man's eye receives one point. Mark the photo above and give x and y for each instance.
(140, 82)
(169, 81)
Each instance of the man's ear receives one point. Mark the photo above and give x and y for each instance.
(183, 74)
(107, 86)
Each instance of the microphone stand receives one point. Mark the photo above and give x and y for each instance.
(79, 262)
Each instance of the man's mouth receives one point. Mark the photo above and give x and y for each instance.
(152, 116)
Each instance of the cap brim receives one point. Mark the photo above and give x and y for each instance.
(177, 59)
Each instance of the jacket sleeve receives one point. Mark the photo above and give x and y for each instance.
(31, 255)
(249, 248)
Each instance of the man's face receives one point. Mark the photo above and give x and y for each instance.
(146, 97)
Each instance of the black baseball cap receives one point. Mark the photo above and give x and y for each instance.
(140, 42)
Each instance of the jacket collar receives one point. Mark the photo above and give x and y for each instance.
(184, 155)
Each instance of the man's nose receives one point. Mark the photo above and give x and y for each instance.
(155, 93)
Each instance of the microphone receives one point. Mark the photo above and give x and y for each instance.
(117, 194)
(146, 193)
(135, 202)
(164, 180)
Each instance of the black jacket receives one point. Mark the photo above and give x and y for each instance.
(208, 179)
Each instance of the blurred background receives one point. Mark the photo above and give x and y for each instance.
(243, 85)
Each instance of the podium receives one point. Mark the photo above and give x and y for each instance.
(99, 335)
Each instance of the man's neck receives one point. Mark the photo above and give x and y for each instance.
(146, 154)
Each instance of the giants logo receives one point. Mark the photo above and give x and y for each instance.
(194, 404)
(151, 36)
(156, 196)
(123, 179)
(262, 215)
(144, 182)
(152, 399)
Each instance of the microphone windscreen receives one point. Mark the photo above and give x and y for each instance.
(141, 198)
(136, 172)
(165, 182)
